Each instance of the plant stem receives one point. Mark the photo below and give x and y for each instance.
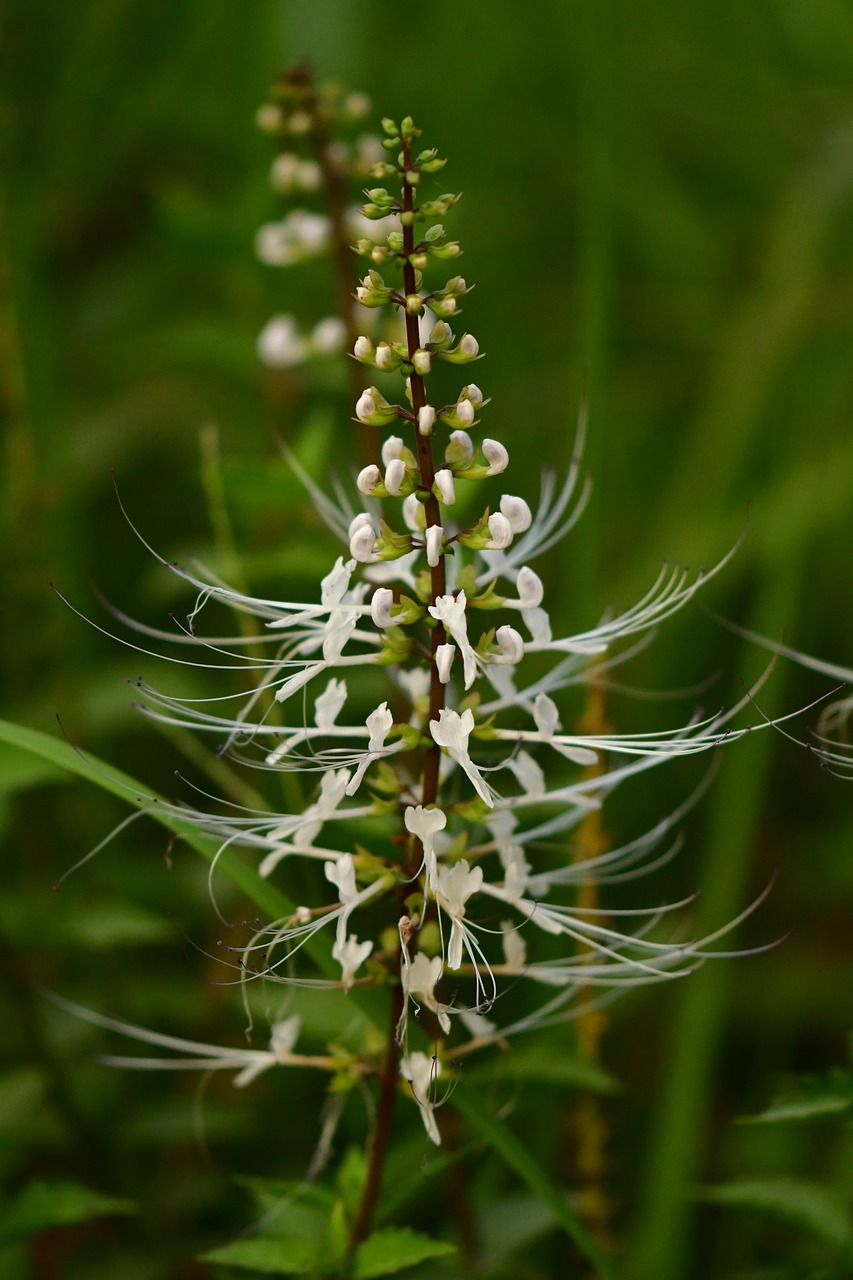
(389, 1078)
(388, 1082)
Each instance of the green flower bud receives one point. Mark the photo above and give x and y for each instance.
(414, 304)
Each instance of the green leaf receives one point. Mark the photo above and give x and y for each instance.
(515, 1153)
(56, 1203)
(809, 1099)
(271, 1255)
(531, 1063)
(807, 1206)
(393, 1249)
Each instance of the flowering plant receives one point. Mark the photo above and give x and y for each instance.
(442, 805)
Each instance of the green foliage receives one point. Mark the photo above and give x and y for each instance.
(55, 1203)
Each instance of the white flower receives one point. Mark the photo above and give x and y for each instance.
(452, 731)
(530, 590)
(529, 774)
(463, 443)
(434, 537)
(328, 336)
(342, 875)
(450, 611)
(413, 513)
(283, 1037)
(426, 419)
(469, 345)
(501, 531)
(350, 955)
(422, 362)
(517, 513)
(362, 542)
(444, 655)
(363, 348)
(381, 603)
(419, 979)
(465, 412)
(280, 345)
(328, 705)
(391, 449)
(367, 479)
(421, 1071)
(384, 356)
(379, 725)
(456, 884)
(511, 644)
(395, 476)
(424, 823)
(473, 393)
(546, 716)
(444, 485)
(496, 456)
(365, 406)
(515, 950)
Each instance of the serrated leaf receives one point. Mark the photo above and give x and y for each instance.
(269, 1255)
(810, 1099)
(56, 1203)
(806, 1205)
(393, 1249)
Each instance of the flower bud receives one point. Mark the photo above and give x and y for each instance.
(511, 644)
(444, 488)
(496, 456)
(363, 349)
(395, 475)
(328, 336)
(517, 513)
(501, 531)
(460, 449)
(465, 412)
(380, 607)
(422, 362)
(361, 543)
(357, 521)
(530, 589)
(391, 449)
(383, 356)
(414, 304)
(469, 345)
(426, 419)
(434, 538)
(367, 479)
(441, 335)
(413, 513)
(279, 343)
(365, 406)
(268, 118)
(444, 655)
(473, 393)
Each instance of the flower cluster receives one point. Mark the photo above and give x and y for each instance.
(463, 775)
(312, 163)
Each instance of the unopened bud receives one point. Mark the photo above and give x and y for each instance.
(391, 449)
(444, 655)
(383, 356)
(426, 419)
(473, 393)
(414, 304)
(413, 513)
(464, 446)
(362, 542)
(465, 412)
(422, 362)
(434, 537)
(469, 345)
(367, 479)
(380, 607)
(363, 348)
(395, 475)
(444, 487)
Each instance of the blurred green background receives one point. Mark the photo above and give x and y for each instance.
(658, 214)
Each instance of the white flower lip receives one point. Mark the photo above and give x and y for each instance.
(496, 456)
(395, 476)
(501, 531)
(434, 538)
